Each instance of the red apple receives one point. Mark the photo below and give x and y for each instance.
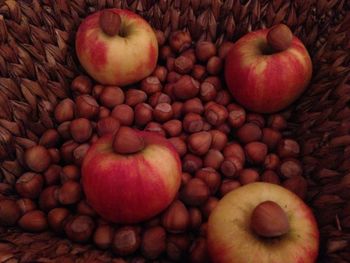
(268, 69)
(131, 187)
(265, 223)
(116, 47)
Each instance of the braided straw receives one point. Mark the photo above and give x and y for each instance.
(37, 63)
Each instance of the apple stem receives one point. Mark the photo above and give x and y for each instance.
(110, 22)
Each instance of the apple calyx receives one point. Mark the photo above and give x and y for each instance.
(269, 220)
(128, 141)
(110, 22)
(280, 37)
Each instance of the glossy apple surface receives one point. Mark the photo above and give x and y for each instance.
(263, 80)
(122, 59)
(130, 188)
(231, 239)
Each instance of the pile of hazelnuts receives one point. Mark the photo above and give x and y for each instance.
(222, 147)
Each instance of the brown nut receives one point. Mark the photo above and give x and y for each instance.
(298, 185)
(195, 217)
(69, 193)
(231, 166)
(179, 145)
(64, 110)
(219, 140)
(199, 251)
(124, 114)
(109, 22)
(176, 218)
(177, 246)
(161, 73)
(198, 72)
(134, 97)
(171, 78)
(270, 176)
(155, 127)
(29, 185)
(103, 112)
(25, 205)
(195, 192)
(103, 236)
(80, 129)
(210, 177)
(160, 37)
(272, 161)
(10, 212)
(249, 132)
(199, 142)
(207, 91)
(193, 122)
(86, 107)
(55, 155)
(248, 175)
(223, 97)
(107, 125)
(277, 122)
(96, 91)
(163, 112)
(33, 221)
(213, 159)
(186, 88)
(271, 137)
(56, 218)
(183, 65)
(67, 149)
(205, 50)
(143, 114)
(84, 208)
(81, 85)
(216, 114)
(288, 148)
(185, 178)
(193, 105)
(165, 52)
(180, 40)
(127, 141)
(153, 242)
(191, 163)
(126, 241)
(209, 206)
(190, 53)
(173, 128)
(111, 96)
(63, 130)
(177, 109)
(151, 85)
(256, 118)
(290, 168)
(214, 65)
(50, 138)
(69, 172)
(224, 49)
(79, 228)
(216, 81)
(37, 158)
(49, 198)
(228, 185)
(234, 149)
(279, 37)
(236, 115)
(256, 152)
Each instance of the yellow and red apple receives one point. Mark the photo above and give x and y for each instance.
(268, 69)
(265, 223)
(116, 47)
(135, 186)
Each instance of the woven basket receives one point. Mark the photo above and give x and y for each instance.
(37, 63)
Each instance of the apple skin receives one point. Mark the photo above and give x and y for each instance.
(117, 60)
(133, 187)
(231, 240)
(266, 83)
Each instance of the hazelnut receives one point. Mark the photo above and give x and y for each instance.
(195, 192)
(224, 49)
(268, 219)
(153, 242)
(207, 91)
(103, 236)
(155, 127)
(288, 148)
(79, 228)
(193, 122)
(279, 37)
(124, 114)
(69, 193)
(25, 205)
(54, 155)
(103, 112)
(193, 105)
(37, 158)
(216, 81)
(109, 22)
(177, 246)
(50, 138)
(256, 118)
(199, 251)
(186, 88)
(107, 125)
(205, 50)
(163, 112)
(67, 150)
(126, 241)
(248, 175)
(63, 130)
(29, 185)
(171, 78)
(176, 218)
(69, 172)
(86, 107)
(97, 90)
(56, 218)
(234, 149)
(270, 176)
(210, 177)
(190, 53)
(183, 65)
(290, 168)
(214, 65)
(84, 208)
(10, 212)
(296, 184)
(33, 221)
(80, 129)
(271, 137)
(151, 85)
(111, 96)
(213, 159)
(185, 178)
(49, 198)
(198, 72)
(143, 114)
(209, 206)
(228, 185)
(199, 142)
(161, 73)
(191, 163)
(177, 109)
(277, 122)
(64, 110)
(249, 132)
(127, 141)
(236, 115)
(219, 139)
(216, 114)
(272, 161)
(160, 37)
(173, 127)
(165, 52)
(195, 217)
(81, 85)
(256, 152)
(179, 145)
(230, 166)
(134, 97)
(180, 40)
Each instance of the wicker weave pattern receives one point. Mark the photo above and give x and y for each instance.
(37, 63)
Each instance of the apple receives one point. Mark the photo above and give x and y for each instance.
(268, 69)
(265, 223)
(131, 176)
(116, 47)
